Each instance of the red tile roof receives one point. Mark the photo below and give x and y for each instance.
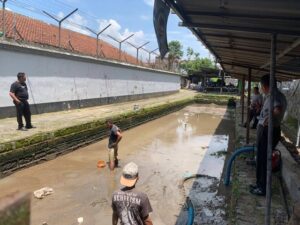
(38, 32)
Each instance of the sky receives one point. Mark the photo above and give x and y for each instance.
(125, 16)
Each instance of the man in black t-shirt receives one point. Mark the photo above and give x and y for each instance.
(130, 206)
(19, 93)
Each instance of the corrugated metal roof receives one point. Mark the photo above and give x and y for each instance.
(238, 33)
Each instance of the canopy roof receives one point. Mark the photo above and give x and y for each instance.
(238, 33)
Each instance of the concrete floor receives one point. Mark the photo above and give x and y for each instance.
(249, 209)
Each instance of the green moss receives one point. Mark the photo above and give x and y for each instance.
(20, 216)
(6, 146)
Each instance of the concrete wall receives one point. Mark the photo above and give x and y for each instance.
(292, 120)
(292, 92)
(57, 77)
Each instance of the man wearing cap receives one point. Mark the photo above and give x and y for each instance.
(19, 93)
(115, 137)
(280, 105)
(130, 206)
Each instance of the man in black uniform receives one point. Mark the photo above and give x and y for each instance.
(19, 94)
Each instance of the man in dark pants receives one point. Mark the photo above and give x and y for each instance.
(280, 105)
(19, 94)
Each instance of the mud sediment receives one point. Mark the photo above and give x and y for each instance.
(167, 150)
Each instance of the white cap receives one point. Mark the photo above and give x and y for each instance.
(130, 174)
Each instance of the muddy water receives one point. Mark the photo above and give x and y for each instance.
(166, 150)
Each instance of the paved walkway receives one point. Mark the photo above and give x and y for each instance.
(52, 121)
(250, 209)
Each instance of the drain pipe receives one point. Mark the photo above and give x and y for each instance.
(232, 158)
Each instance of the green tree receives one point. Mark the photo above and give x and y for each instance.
(195, 63)
(189, 53)
(175, 52)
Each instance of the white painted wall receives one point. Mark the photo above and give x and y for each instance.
(61, 79)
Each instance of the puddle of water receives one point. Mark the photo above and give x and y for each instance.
(166, 150)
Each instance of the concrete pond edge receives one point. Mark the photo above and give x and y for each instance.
(45, 146)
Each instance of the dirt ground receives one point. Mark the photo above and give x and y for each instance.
(167, 150)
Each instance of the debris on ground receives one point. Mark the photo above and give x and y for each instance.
(80, 220)
(41, 193)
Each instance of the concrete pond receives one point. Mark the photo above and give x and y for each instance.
(189, 144)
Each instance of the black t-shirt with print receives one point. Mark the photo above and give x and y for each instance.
(131, 206)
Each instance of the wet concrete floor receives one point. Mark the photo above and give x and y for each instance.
(167, 150)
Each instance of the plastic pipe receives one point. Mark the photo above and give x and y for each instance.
(191, 214)
(232, 158)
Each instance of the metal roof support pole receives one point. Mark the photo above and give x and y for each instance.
(248, 106)
(298, 135)
(270, 131)
(243, 99)
(3, 17)
(284, 52)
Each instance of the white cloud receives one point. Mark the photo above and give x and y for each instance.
(149, 2)
(60, 15)
(8, 9)
(116, 31)
(76, 22)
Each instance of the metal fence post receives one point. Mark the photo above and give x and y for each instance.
(3, 17)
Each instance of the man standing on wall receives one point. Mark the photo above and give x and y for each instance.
(280, 105)
(19, 94)
(115, 137)
(130, 206)
(255, 107)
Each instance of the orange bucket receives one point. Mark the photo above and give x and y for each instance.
(101, 164)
